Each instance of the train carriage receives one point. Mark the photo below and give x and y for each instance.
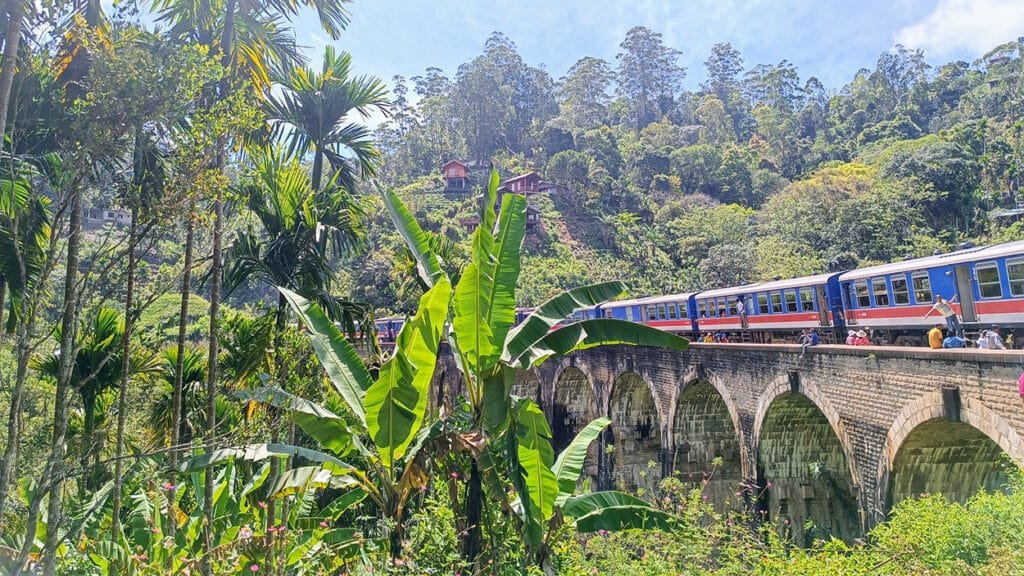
(773, 309)
(673, 313)
(984, 284)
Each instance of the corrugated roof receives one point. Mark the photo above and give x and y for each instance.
(958, 257)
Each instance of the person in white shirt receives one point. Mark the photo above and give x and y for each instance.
(942, 306)
(983, 340)
(995, 341)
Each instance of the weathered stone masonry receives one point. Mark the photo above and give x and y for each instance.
(835, 437)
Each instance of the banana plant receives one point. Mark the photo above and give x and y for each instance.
(374, 452)
(516, 447)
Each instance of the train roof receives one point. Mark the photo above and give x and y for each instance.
(650, 300)
(772, 285)
(958, 257)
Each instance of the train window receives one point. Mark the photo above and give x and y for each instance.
(790, 300)
(652, 313)
(988, 280)
(922, 287)
(881, 291)
(721, 307)
(712, 311)
(608, 313)
(730, 306)
(671, 310)
(762, 303)
(684, 312)
(629, 313)
(1015, 270)
(807, 299)
(863, 300)
(661, 312)
(900, 294)
(776, 302)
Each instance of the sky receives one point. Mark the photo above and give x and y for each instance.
(829, 39)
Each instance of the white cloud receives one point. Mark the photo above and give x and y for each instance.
(970, 27)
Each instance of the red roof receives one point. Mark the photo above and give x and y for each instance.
(450, 162)
(521, 177)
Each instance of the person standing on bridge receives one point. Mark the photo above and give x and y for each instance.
(942, 306)
(935, 337)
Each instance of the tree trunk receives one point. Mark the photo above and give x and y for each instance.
(474, 511)
(14, 417)
(211, 379)
(69, 326)
(10, 62)
(179, 366)
(126, 366)
(3, 296)
(318, 169)
(86, 448)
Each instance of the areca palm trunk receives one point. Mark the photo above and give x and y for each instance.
(217, 271)
(69, 325)
(24, 353)
(126, 350)
(12, 40)
(179, 363)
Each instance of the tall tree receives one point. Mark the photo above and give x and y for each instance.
(584, 93)
(312, 111)
(649, 75)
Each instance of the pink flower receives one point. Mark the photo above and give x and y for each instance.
(167, 486)
(455, 475)
(281, 529)
(254, 568)
(324, 524)
(399, 562)
(263, 505)
(271, 530)
(245, 533)
(602, 532)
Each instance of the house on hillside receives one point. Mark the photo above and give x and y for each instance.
(456, 177)
(529, 185)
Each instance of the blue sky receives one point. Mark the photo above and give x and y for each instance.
(830, 39)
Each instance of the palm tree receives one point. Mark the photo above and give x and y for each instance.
(25, 240)
(96, 368)
(301, 230)
(312, 112)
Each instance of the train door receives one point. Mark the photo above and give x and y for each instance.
(966, 293)
(822, 306)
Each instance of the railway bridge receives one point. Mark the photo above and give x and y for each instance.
(823, 444)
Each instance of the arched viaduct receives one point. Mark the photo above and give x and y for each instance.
(830, 441)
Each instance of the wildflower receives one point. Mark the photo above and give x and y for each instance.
(455, 475)
(602, 532)
(271, 530)
(168, 543)
(324, 524)
(168, 486)
(768, 485)
(262, 505)
(281, 529)
(254, 568)
(399, 562)
(245, 533)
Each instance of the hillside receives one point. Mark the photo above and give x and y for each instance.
(757, 174)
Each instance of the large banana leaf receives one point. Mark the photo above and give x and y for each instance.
(505, 262)
(300, 479)
(547, 315)
(260, 452)
(472, 305)
(397, 401)
(535, 482)
(341, 362)
(426, 261)
(329, 429)
(569, 465)
(612, 510)
(593, 333)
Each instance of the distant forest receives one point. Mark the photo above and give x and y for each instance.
(757, 174)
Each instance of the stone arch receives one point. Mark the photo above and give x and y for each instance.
(706, 426)
(809, 486)
(527, 385)
(635, 432)
(573, 406)
(933, 447)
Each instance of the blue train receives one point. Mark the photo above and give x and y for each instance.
(891, 302)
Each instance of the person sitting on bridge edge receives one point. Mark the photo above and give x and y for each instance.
(861, 339)
(952, 320)
(935, 337)
(995, 341)
(809, 339)
(850, 337)
(983, 340)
